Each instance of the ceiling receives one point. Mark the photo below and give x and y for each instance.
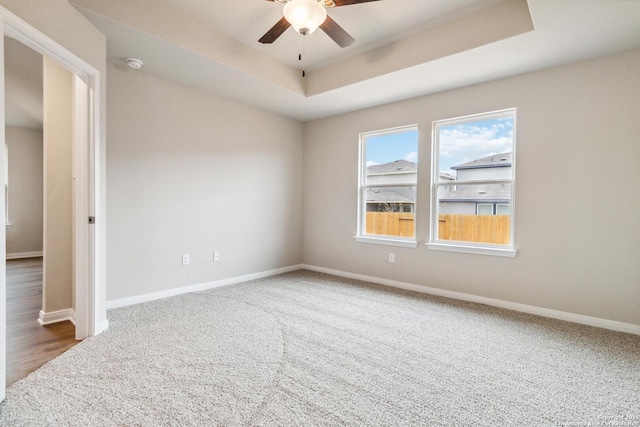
(246, 21)
(403, 48)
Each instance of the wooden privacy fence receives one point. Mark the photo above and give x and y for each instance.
(465, 228)
(391, 223)
(475, 228)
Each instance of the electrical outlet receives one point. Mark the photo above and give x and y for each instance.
(392, 257)
(186, 259)
(216, 256)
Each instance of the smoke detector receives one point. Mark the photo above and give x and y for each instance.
(134, 63)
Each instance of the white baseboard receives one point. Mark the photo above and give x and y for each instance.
(539, 311)
(57, 316)
(123, 302)
(103, 326)
(18, 255)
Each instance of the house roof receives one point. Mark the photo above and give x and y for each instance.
(391, 195)
(476, 193)
(397, 166)
(492, 161)
(496, 193)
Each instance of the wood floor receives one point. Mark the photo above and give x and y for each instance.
(30, 345)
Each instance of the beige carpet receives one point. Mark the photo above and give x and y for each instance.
(310, 349)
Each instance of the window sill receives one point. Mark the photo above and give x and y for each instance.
(503, 252)
(379, 240)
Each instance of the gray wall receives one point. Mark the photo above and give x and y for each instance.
(189, 173)
(577, 175)
(25, 190)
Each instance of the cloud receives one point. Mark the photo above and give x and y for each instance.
(411, 157)
(462, 143)
(372, 163)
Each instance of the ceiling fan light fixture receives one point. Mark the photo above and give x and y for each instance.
(305, 16)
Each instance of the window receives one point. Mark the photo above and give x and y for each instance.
(503, 209)
(472, 184)
(484, 209)
(387, 186)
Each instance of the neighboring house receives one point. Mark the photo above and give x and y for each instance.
(489, 199)
(392, 187)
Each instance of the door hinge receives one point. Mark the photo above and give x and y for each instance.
(92, 220)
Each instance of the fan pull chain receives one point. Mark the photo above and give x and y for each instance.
(301, 55)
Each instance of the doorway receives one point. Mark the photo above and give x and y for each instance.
(38, 209)
(90, 315)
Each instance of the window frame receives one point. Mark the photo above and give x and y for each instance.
(361, 236)
(461, 246)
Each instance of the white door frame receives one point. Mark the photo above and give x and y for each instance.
(86, 172)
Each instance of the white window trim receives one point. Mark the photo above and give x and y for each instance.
(470, 247)
(361, 236)
(389, 241)
(466, 247)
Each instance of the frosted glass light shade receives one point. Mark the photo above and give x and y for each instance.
(305, 16)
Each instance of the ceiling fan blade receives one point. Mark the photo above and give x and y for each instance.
(348, 2)
(336, 32)
(276, 31)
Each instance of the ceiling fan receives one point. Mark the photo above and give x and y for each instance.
(306, 16)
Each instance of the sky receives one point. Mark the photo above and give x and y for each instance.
(463, 142)
(390, 147)
(459, 143)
